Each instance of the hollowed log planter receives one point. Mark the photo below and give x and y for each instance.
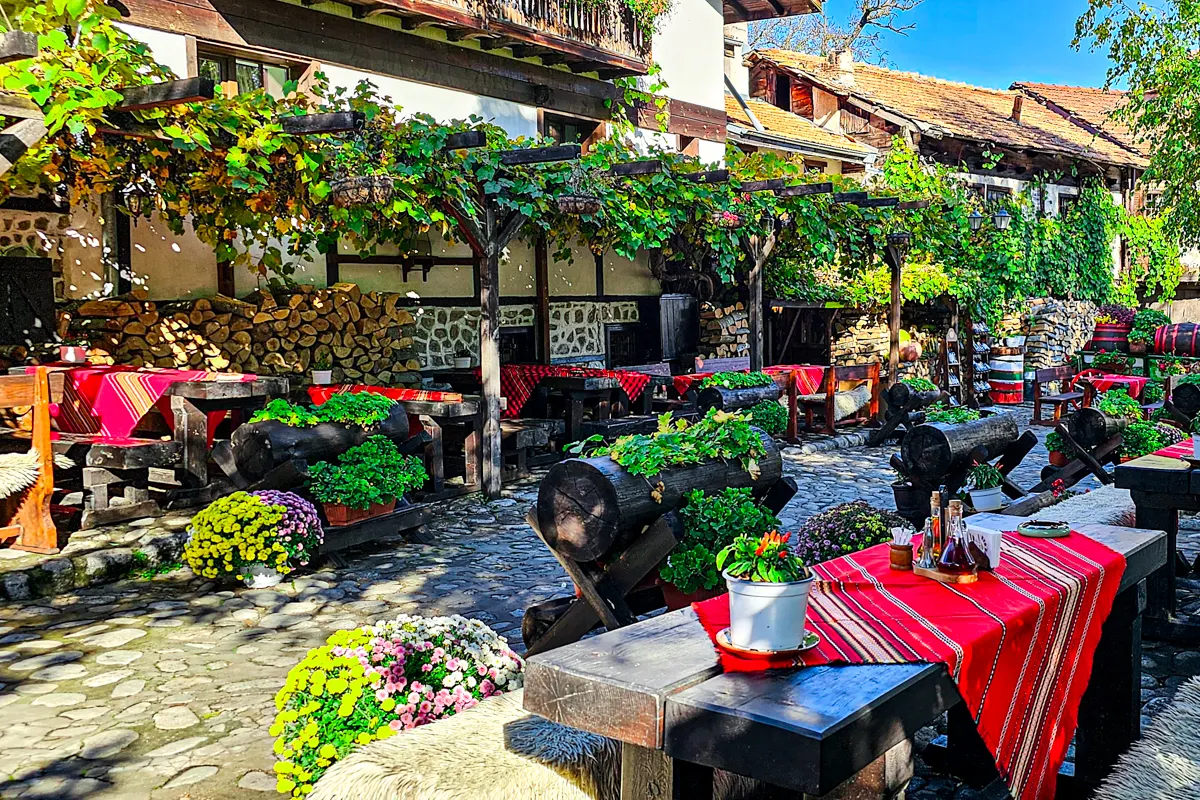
(1186, 398)
(1091, 427)
(1111, 337)
(723, 399)
(587, 505)
(932, 450)
(259, 447)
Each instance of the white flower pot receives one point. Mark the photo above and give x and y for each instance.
(463, 362)
(1196, 447)
(988, 499)
(767, 616)
(258, 576)
(72, 354)
(322, 377)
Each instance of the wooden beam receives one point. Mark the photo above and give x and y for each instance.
(805, 190)
(17, 45)
(539, 155)
(541, 267)
(168, 93)
(709, 176)
(630, 168)
(465, 140)
(335, 122)
(912, 205)
(849, 197)
(18, 106)
(15, 140)
(875, 202)
(769, 185)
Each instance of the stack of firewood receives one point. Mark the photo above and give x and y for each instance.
(363, 337)
(724, 332)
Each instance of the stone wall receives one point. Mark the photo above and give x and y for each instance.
(862, 338)
(1056, 330)
(576, 330)
(724, 331)
(38, 235)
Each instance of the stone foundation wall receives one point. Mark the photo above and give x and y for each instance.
(862, 338)
(724, 331)
(1056, 330)
(38, 235)
(576, 330)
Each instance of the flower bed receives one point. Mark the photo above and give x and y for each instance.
(277, 530)
(373, 682)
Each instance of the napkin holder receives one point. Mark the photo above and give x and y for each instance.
(988, 541)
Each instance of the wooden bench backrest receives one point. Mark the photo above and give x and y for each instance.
(842, 378)
(660, 368)
(1054, 374)
(722, 364)
(27, 515)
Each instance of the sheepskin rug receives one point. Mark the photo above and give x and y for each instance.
(1165, 763)
(1107, 505)
(845, 403)
(495, 751)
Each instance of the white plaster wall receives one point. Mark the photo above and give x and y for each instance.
(169, 49)
(735, 66)
(1053, 191)
(171, 267)
(690, 47)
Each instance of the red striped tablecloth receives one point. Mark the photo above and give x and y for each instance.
(1133, 384)
(111, 400)
(1181, 450)
(1018, 643)
(517, 381)
(808, 378)
(319, 394)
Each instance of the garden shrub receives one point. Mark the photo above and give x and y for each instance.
(711, 522)
(770, 416)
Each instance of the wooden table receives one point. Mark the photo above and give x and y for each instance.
(191, 402)
(582, 393)
(434, 416)
(658, 689)
(1160, 488)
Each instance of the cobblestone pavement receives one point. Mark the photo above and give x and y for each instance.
(163, 688)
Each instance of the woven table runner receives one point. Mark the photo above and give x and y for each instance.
(1018, 643)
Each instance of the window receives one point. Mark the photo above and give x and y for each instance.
(1065, 201)
(568, 130)
(783, 92)
(247, 73)
(518, 345)
(997, 193)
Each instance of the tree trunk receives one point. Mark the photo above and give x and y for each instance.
(1090, 426)
(586, 505)
(724, 399)
(259, 447)
(929, 451)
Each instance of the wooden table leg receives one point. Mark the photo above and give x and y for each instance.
(653, 775)
(645, 401)
(434, 454)
(574, 417)
(472, 463)
(1111, 708)
(1161, 597)
(191, 431)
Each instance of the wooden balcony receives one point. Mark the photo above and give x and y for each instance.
(750, 10)
(602, 39)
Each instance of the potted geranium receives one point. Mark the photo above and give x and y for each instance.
(322, 370)
(768, 592)
(255, 537)
(986, 487)
(710, 523)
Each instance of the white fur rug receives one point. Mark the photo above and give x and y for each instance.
(1107, 505)
(495, 751)
(1165, 763)
(845, 403)
(18, 471)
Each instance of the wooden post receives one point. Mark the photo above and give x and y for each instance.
(758, 249)
(894, 256)
(541, 260)
(110, 241)
(489, 356)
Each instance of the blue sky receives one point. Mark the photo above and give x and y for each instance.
(992, 44)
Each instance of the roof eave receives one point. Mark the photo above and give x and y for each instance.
(750, 136)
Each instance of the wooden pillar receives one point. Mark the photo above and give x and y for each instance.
(541, 260)
(489, 355)
(894, 259)
(756, 315)
(111, 242)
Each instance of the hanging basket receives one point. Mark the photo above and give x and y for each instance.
(362, 190)
(578, 204)
(725, 219)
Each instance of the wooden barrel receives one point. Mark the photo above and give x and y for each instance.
(1178, 339)
(1007, 393)
(1008, 369)
(1111, 337)
(1186, 398)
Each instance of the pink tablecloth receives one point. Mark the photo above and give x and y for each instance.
(110, 401)
(808, 378)
(1180, 450)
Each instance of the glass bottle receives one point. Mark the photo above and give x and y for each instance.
(927, 560)
(956, 555)
(935, 520)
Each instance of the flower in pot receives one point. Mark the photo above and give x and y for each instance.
(1115, 363)
(254, 537)
(768, 592)
(1061, 451)
(73, 350)
(366, 481)
(462, 359)
(986, 487)
(850, 527)
(1139, 340)
(322, 370)
(711, 522)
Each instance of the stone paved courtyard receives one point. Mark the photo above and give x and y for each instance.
(163, 687)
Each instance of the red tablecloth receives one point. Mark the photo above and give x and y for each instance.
(517, 381)
(1018, 643)
(1132, 384)
(808, 377)
(319, 394)
(1181, 450)
(111, 400)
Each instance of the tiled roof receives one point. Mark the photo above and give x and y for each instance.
(1092, 106)
(789, 125)
(957, 109)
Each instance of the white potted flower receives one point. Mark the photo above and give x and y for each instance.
(768, 593)
(986, 488)
(462, 359)
(73, 351)
(322, 372)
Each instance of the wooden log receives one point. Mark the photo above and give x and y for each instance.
(1186, 398)
(723, 399)
(168, 93)
(899, 395)
(933, 449)
(259, 447)
(586, 505)
(1090, 426)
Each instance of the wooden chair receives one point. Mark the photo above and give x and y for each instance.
(25, 516)
(1064, 399)
(841, 381)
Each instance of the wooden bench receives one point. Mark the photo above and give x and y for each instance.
(25, 517)
(842, 380)
(1058, 401)
(127, 479)
(518, 440)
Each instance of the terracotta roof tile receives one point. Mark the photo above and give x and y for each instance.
(1092, 106)
(958, 109)
(793, 126)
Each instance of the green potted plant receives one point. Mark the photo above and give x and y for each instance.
(1139, 439)
(366, 481)
(1146, 322)
(986, 487)
(1060, 451)
(322, 370)
(462, 358)
(1111, 362)
(768, 593)
(710, 523)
